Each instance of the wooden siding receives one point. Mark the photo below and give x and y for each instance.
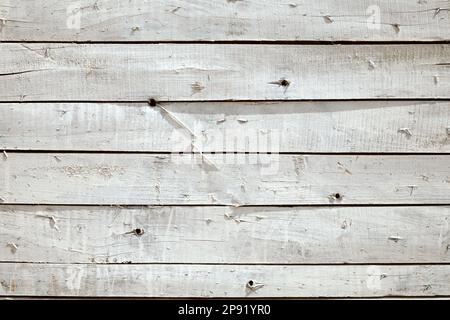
(253, 235)
(201, 20)
(224, 179)
(192, 148)
(295, 127)
(199, 72)
(223, 280)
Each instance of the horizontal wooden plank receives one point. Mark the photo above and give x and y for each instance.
(228, 179)
(323, 235)
(192, 20)
(350, 126)
(199, 72)
(129, 280)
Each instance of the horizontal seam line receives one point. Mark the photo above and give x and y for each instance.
(299, 153)
(104, 101)
(230, 101)
(194, 298)
(228, 205)
(342, 265)
(238, 42)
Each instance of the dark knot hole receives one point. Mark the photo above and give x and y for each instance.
(152, 102)
(139, 231)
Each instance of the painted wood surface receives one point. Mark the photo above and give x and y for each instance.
(227, 179)
(256, 235)
(200, 72)
(340, 126)
(123, 214)
(223, 280)
(197, 20)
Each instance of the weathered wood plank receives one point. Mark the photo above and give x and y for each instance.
(198, 72)
(192, 20)
(351, 126)
(231, 179)
(223, 280)
(225, 235)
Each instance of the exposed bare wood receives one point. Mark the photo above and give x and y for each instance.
(193, 20)
(199, 72)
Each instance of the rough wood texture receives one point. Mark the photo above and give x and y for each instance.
(227, 224)
(351, 126)
(225, 235)
(192, 20)
(223, 280)
(176, 72)
(231, 179)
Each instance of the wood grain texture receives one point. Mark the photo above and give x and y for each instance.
(200, 72)
(193, 20)
(223, 280)
(227, 179)
(350, 126)
(224, 225)
(255, 235)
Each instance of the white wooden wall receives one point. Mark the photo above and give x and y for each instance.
(232, 148)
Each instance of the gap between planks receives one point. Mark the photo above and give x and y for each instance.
(313, 205)
(299, 153)
(231, 42)
(226, 264)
